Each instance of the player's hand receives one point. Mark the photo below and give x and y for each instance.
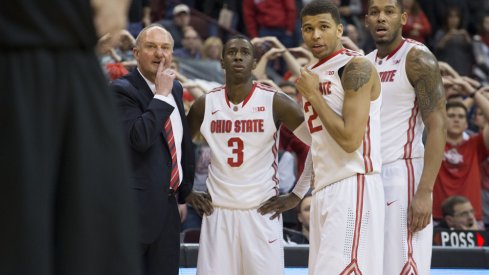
(201, 202)
(308, 84)
(419, 213)
(182, 210)
(164, 80)
(279, 204)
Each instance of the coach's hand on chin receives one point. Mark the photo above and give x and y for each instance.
(201, 202)
(279, 204)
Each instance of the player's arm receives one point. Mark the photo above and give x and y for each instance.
(361, 83)
(195, 116)
(424, 74)
(202, 202)
(288, 112)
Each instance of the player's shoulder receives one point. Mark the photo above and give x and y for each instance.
(419, 56)
(349, 52)
(360, 62)
(417, 48)
(217, 89)
(215, 92)
(265, 88)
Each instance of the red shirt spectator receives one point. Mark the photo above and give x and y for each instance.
(460, 174)
(280, 14)
(417, 26)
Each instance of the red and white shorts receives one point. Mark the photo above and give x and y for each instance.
(347, 227)
(240, 242)
(404, 252)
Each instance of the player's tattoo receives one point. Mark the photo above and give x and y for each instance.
(424, 74)
(356, 74)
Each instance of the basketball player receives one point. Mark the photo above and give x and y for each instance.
(342, 99)
(240, 122)
(412, 99)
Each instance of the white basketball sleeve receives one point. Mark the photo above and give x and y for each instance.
(304, 183)
(303, 134)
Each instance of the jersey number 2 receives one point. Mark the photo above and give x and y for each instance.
(312, 117)
(237, 145)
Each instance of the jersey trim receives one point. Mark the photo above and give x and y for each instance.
(367, 149)
(408, 147)
(275, 164)
(353, 266)
(245, 100)
(396, 49)
(322, 61)
(410, 267)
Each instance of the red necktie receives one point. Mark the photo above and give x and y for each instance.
(174, 178)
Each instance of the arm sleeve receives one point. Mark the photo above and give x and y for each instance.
(303, 134)
(304, 183)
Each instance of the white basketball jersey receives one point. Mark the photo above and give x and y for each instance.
(331, 163)
(244, 143)
(402, 127)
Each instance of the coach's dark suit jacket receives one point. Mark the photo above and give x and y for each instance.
(143, 120)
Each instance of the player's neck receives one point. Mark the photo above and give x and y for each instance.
(384, 50)
(237, 92)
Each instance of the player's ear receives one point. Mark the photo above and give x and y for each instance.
(404, 18)
(254, 63)
(339, 30)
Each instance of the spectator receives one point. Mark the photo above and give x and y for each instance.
(181, 20)
(215, 9)
(304, 218)
(301, 236)
(271, 48)
(417, 26)
(357, 37)
(212, 48)
(139, 16)
(481, 122)
(481, 51)
(191, 43)
(270, 18)
(458, 214)
(453, 44)
(460, 170)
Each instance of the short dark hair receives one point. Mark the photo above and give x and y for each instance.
(399, 3)
(448, 205)
(238, 36)
(456, 104)
(316, 7)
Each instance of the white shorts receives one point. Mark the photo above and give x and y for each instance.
(346, 227)
(240, 242)
(404, 252)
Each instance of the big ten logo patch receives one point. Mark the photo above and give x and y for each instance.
(258, 109)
